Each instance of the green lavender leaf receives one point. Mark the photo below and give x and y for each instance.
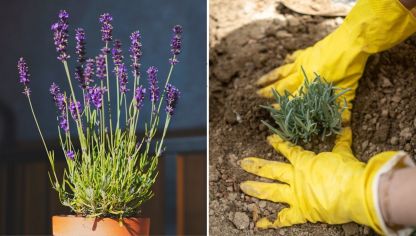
(316, 110)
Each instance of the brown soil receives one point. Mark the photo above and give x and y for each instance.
(243, 50)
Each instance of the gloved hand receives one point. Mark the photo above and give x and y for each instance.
(371, 26)
(332, 187)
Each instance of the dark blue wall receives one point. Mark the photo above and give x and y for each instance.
(25, 31)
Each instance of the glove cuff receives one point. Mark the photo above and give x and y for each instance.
(378, 165)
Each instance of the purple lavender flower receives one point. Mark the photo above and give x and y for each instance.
(63, 122)
(23, 71)
(100, 67)
(136, 52)
(80, 46)
(105, 50)
(54, 90)
(60, 35)
(176, 44)
(152, 78)
(86, 78)
(117, 53)
(58, 97)
(122, 78)
(70, 154)
(73, 108)
(106, 27)
(139, 96)
(79, 75)
(96, 95)
(60, 101)
(26, 91)
(63, 15)
(172, 95)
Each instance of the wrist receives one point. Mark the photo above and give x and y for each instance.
(385, 198)
(396, 190)
(381, 188)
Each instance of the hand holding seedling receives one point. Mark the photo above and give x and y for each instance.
(371, 26)
(332, 187)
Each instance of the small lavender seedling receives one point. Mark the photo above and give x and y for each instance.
(316, 110)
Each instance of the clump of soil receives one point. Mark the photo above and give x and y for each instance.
(383, 115)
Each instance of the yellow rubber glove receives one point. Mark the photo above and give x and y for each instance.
(371, 26)
(332, 187)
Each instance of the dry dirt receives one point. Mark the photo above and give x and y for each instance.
(249, 38)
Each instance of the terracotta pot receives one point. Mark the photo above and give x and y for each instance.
(73, 225)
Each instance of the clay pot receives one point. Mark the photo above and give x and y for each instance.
(73, 225)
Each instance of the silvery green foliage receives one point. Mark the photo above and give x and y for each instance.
(316, 110)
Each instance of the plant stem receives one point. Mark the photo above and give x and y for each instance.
(164, 133)
(125, 108)
(166, 83)
(37, 124)
(155, 123)
(87, 115)
(118, 100)
(103, 117)
(70, 85)
(79, 125)
(108, 80)
(108, 96)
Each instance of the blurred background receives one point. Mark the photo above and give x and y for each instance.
(27, 200)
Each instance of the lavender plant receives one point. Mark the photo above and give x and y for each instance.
(110, 170)
(316, 110)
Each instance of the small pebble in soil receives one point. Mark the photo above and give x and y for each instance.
(213, 174)
(283, 34)
(407, 147)
(230, 117)
(396, 99)
(255, 210)
(382, 131)
(385, 82)
(241, 220)
(406, 133)
(292, 21)
(232, 196)
(394, 141)
(366, 230)
(232, 158)
(364, 144)
(280, 20)
(282, 231)
(350, 229)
